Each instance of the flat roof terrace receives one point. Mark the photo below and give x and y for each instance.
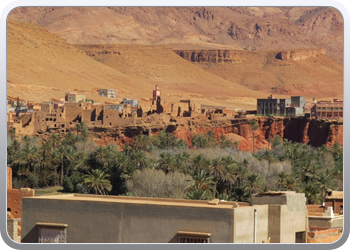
(145, 201)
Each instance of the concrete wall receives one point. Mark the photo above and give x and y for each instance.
(91, 221)
(287, 215)
(243, 220)
(325, 222)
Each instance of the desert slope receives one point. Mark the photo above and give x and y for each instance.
(37, 57)
(258, 28)
(41, 65)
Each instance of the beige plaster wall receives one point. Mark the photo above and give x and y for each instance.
(243, 221)
(116, 222)
(287, 215)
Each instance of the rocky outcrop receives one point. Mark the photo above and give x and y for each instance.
(299, 55)
(216, 56)
(308, 131)
(212, 56)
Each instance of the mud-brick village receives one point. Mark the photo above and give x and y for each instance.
(175, 125)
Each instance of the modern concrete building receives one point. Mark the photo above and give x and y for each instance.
(78, 218)
(281, 107)
(133, 103)
(288, 217)
(109, 93)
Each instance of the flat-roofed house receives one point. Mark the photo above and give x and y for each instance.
(330, 110)
(109, 93)
(77, 218)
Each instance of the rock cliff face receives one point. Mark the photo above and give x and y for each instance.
(307, 131)
(215, 56)
(298, 55)
(212, 56)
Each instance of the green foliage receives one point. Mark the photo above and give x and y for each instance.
(70, 184)
(97, 182)
(214, 168)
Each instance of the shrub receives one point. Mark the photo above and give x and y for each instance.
(70, 184)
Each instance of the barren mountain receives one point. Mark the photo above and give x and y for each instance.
(259, 28)
(190, 53)
(41, 65)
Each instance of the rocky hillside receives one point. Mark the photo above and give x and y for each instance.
(307, 72)
(250, 28)
(41, 65)
(216, 56)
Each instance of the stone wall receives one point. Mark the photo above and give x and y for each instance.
(14, 229)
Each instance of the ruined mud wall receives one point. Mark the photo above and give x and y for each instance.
(14, 196)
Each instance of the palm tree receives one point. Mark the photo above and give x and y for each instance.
(281, 183)
(254, 126)
(221, 170)
(252, 184)
(141, 142)
(210, 138)
(224, 143)
(97, 182)
(199, 142)
(325, 180)
(61, 154)
(267, 155)
(167, 162)
(291, 183)
(201, 181)
(54, 139)
(200, 162)
(311, 193)
(105, 156)
(12, 134)
(198, 194)
(139, 159)
(80, 127)
(240, 173)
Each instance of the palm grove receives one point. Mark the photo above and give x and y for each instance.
(164, 166)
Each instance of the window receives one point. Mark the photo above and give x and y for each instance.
(52, 233)
(193, 237)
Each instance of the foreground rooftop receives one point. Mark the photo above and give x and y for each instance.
(143, 200)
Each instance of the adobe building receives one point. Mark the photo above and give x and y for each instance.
(73, 97)
(334, 199)
(326, 222)
(77, 218)
(14, 204)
